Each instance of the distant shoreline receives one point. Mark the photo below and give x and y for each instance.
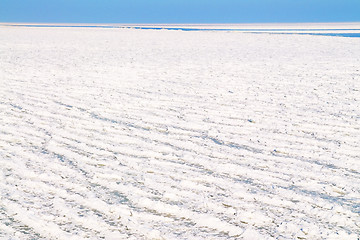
(322, 29)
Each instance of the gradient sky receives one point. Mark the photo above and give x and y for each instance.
(179, 11)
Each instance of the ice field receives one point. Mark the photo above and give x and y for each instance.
(121, 133)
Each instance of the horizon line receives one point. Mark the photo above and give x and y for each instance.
(181, 23)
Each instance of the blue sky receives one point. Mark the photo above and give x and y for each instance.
(179, 11)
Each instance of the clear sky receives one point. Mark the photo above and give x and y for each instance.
(179, 11)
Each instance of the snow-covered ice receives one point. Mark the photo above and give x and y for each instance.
(145, 134)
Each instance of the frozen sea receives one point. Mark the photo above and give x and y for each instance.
(156, 132)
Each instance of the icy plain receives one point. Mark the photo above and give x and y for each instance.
(145, 134)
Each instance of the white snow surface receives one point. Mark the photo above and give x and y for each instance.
(145, 134)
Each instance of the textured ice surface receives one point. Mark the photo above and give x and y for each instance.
(142, 134)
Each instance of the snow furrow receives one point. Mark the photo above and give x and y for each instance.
(141, 134)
